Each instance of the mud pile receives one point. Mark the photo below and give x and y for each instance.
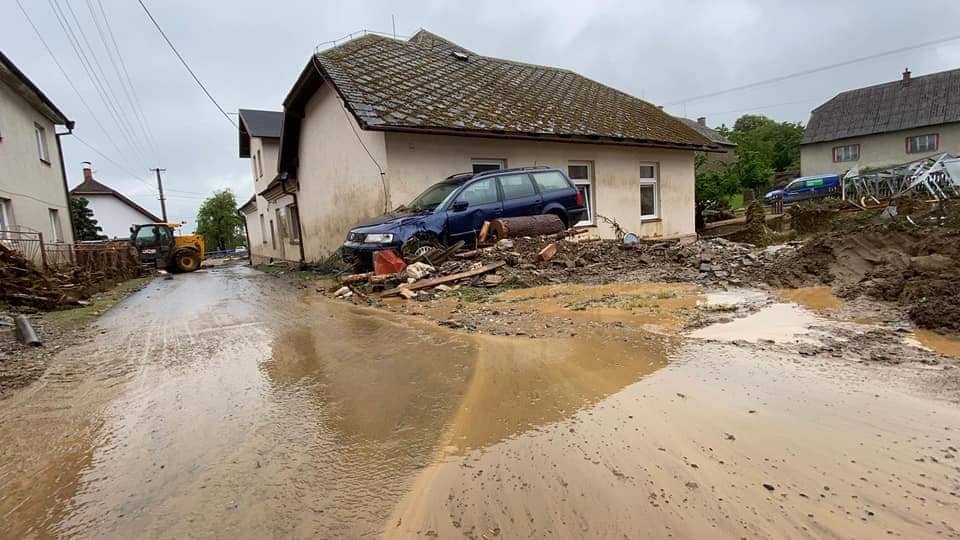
(918, 267)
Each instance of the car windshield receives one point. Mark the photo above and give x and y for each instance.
(432, 197)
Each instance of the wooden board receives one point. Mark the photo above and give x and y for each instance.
(433, 282)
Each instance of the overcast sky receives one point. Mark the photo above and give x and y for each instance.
(248, 54)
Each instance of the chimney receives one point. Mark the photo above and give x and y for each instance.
(702, 121)
(87, 171)
(906, 76)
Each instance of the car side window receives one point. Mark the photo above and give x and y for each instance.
(516, 186)
(481, 192)
(796, 184)
(551, 181)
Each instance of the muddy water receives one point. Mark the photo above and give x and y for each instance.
(224, 404)
(815, 298)
(945, 345)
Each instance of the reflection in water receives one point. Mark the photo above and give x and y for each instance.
(816, 298)
(945, 345)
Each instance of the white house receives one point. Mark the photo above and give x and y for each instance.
(114, 212)
(33, 187)
(371, 123)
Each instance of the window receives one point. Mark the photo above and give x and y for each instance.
(6, 216)
(254, 163)
(55, 225)
(259, 164)
(649, 196)
(41, 134)
(281, 222)
(481, 192)
(551, 181)
(294, 222)
(146, 236)
(273, 237)
(516, 186)
(849, 152)
(483, 165)
(581, 172)
(923, 143)
(263, 230)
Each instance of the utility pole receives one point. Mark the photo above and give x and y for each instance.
(163, 201)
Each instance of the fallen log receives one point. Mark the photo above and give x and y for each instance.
(433, 282)
(540, 225)
(25, 332)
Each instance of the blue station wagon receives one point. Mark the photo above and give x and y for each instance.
(456, 208)
(806, 187)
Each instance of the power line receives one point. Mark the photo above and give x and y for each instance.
(67, 77)
(816, 70)
(105, 82)
(762, 107)
(124, 82)
(84, 63)
(184, 62)
(108, 158)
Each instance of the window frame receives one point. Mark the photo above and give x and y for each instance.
(259, 164)
(6, 216)
(837, 150)
(645, 182)
(263, 230)
(589, 183)
(43, 151)
(500, 163)
(56, 226)
(293, 222)
(936, 143)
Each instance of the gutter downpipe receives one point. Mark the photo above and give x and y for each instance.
(296, 203)
(246, 233)
(63, 176)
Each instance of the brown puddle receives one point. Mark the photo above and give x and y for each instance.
(819, 299)
(945, 345)
(666, 306)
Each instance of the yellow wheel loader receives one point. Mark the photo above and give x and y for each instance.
(157, 245)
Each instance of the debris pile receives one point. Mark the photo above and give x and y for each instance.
(22, 284)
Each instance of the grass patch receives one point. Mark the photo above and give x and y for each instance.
(735, 201)
(99, 304)
(477, 294)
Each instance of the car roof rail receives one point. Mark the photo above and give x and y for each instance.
(493, 172)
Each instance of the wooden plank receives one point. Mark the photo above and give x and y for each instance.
(355, 278)
(547, 252)
(433, 282)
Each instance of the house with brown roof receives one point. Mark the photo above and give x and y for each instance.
(371, 123)
(114, 211)
(885, 124)
(33, 186)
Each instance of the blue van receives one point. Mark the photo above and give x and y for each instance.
(455, 209)
(806, 187)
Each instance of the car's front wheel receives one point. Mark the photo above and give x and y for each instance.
(419, 245)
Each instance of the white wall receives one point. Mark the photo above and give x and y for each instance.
(880, 150)
(32, 186)
(114, 216)
(339, 183)
(417, 161)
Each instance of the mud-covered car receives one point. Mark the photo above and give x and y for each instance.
(456, 208)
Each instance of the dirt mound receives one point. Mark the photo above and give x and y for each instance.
(915, 266)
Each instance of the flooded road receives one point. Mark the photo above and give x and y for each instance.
(227, 403)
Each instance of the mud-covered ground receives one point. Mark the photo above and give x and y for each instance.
(231, 403)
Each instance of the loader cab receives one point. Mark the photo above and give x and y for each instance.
(154, 243)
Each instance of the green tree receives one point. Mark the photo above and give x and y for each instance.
(775, 144)
(219, 222)
(84, 226)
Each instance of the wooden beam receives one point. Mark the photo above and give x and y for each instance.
(433, 282)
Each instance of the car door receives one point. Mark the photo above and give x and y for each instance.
(793, 191)
(476, 203)
(520, 197)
